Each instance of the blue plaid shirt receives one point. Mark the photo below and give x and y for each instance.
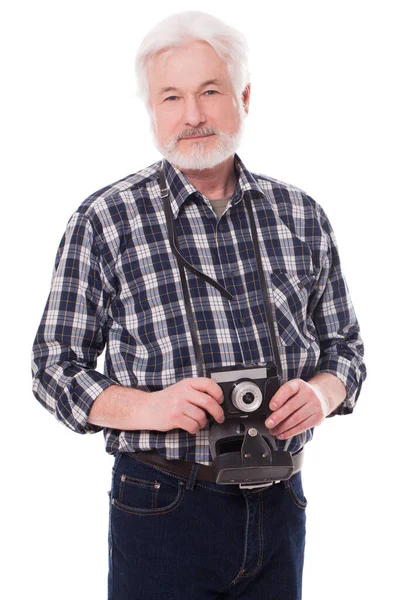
(116, 283)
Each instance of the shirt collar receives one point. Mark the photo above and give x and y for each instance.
(180, 187)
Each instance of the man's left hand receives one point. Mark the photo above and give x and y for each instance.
(297, 406)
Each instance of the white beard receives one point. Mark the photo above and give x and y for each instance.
(198, 156)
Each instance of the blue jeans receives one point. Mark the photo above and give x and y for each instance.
(173, 537)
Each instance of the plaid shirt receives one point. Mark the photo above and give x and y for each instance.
(116, 283)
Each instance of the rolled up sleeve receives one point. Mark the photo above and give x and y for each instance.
(72, 331)
(342, 349)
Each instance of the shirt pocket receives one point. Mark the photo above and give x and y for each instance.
(291, 295)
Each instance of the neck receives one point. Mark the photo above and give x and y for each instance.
(214, 183)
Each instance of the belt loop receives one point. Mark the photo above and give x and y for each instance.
(192, 477)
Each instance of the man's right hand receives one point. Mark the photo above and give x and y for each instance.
(185, 405)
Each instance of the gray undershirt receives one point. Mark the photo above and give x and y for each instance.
(219, 205)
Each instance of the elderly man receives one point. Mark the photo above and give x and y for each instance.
(174, 269)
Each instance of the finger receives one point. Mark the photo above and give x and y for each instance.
(290, 406)
(209, 386)
(195, 413)
(294, 419)
(207, 403)
(190, 425)
(307, 424)
(287, 390)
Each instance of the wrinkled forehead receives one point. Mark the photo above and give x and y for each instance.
(186, 67)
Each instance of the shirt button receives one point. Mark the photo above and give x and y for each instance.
(221, 227)
(243, 320)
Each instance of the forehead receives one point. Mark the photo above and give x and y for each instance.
(186, 67)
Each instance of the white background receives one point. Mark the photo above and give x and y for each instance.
(323, 116)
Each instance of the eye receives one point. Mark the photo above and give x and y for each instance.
(211, 92)
(171, 98)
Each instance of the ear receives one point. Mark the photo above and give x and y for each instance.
(246, 98)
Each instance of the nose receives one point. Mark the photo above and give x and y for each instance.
(194, 115)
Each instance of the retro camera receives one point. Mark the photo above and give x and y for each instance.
(247, 389)
(242, 448)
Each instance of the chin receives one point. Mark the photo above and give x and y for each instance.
(198, 156)
(203, 161)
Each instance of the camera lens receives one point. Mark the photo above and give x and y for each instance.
(246, 396)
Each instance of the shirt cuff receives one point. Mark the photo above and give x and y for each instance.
(87, 386)
(351, 376)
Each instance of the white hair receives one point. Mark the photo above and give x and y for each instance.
(176, 30)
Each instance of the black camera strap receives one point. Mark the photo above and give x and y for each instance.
(269, 309)
(182, 262)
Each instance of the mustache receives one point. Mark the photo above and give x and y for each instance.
(199, 131)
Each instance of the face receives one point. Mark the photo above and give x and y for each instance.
(197, 121)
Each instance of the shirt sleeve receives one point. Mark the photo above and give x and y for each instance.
(72, 331)
(342, 349)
